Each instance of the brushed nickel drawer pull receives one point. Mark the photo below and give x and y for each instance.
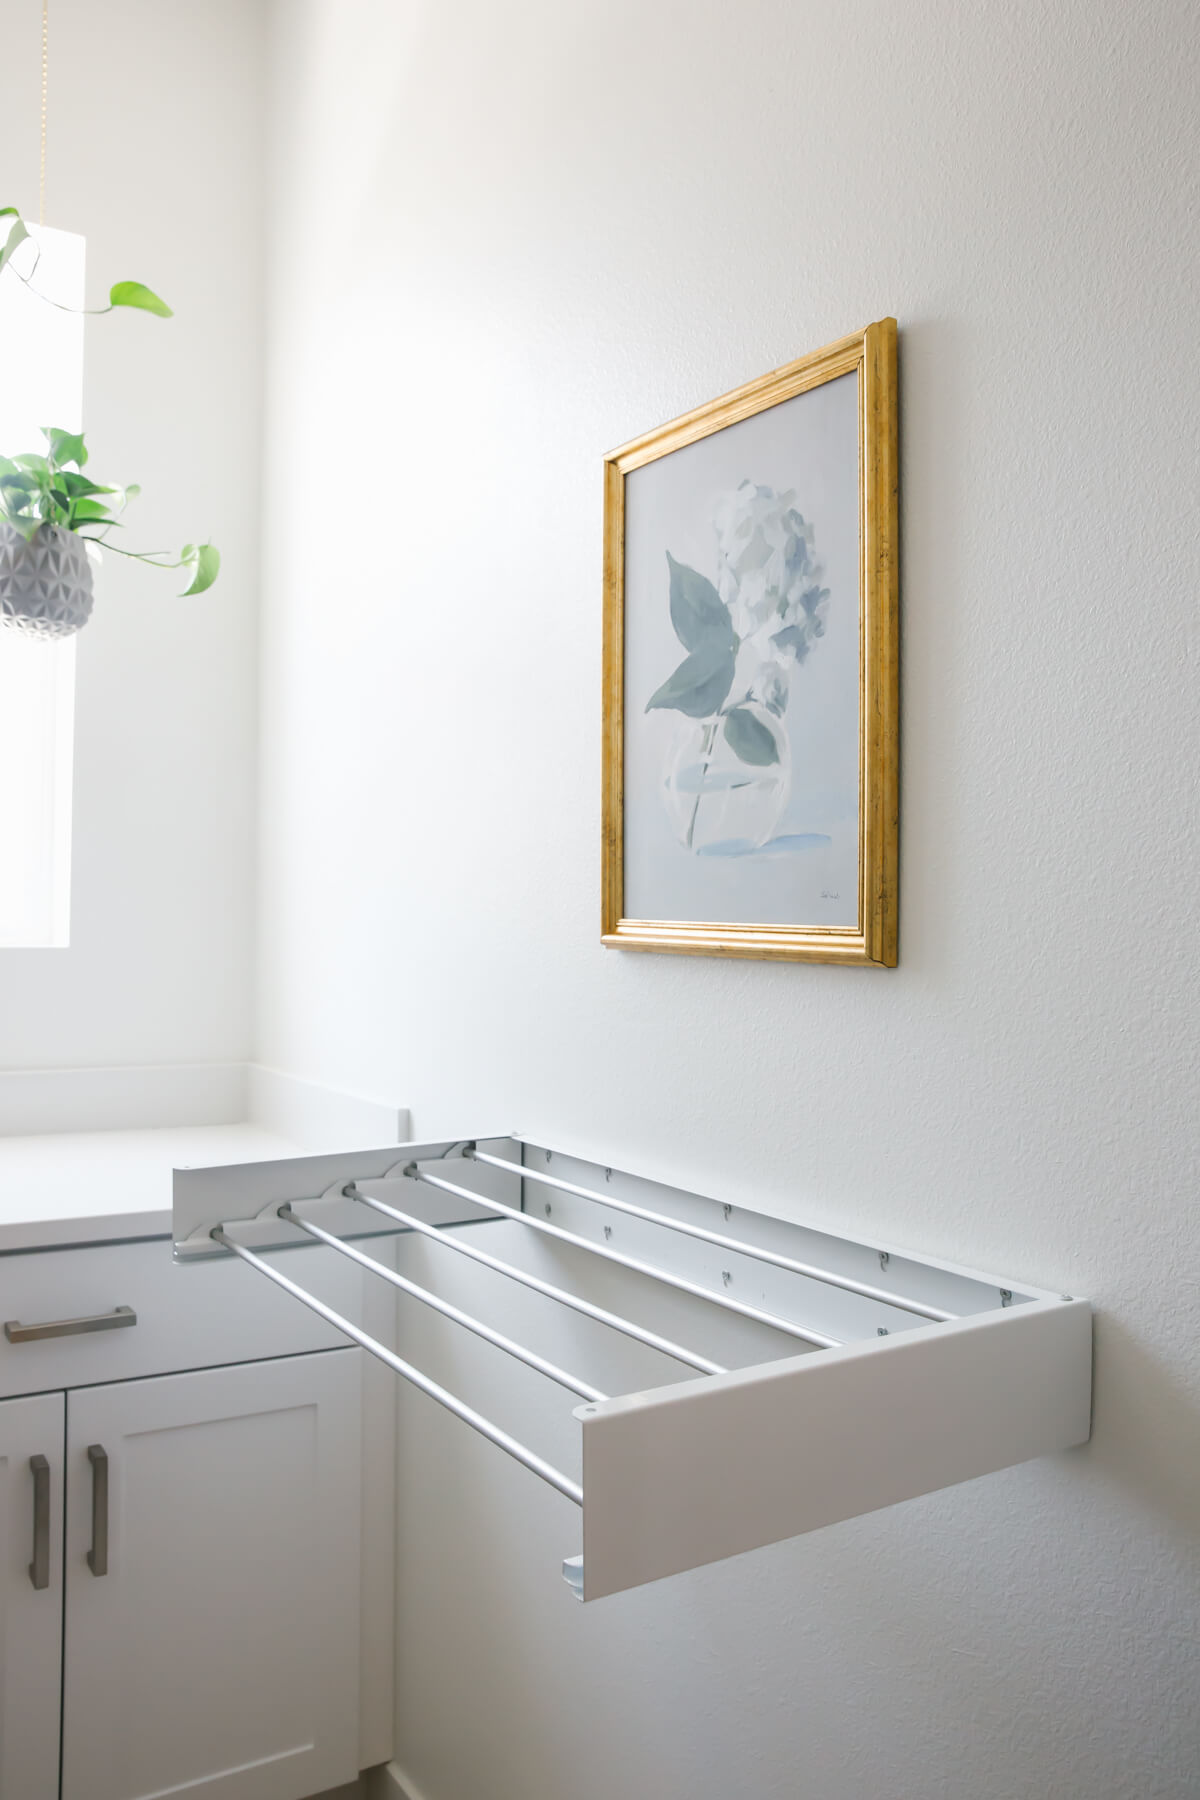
(16, 1333)
(97, 1556)
(39, 1568)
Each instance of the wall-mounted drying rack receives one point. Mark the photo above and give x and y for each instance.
(896, 1375)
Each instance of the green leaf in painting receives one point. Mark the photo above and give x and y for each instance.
(698, 614)
(749, 738)
(700, 683)
(32, 461)
(133, 293)
(205, 562)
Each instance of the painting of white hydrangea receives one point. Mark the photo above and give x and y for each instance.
(729, 771)
(750, 669)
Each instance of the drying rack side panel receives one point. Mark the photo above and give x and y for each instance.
(247, 1194)
(687, 1475)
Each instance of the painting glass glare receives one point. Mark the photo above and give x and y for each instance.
(741, 670)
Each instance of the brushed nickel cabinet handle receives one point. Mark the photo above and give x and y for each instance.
(97, 1556)
(16, 1333)
(39, 1568)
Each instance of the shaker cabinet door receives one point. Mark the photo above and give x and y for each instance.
(31, 1577)
(212, 1576)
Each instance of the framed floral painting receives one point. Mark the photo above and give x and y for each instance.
(750, 669)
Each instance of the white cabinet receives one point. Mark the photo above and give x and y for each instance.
(218, 1651)
(238, 1643)
(31, 1575)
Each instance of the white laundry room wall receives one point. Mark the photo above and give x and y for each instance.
(502, 241)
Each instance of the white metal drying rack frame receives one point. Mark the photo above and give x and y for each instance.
(912, 1374)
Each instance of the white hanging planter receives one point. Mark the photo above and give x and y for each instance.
(45, 583)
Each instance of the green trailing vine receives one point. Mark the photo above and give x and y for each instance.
(125, 293)
(49, 488)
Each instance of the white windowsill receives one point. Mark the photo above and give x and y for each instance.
(88, 1186)
(61, 1186)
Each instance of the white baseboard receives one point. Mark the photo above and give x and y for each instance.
(321, 1118)
(35, 1102)
(389, 1782)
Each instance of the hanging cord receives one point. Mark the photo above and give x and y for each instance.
(45, 86)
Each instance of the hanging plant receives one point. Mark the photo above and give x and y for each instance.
(54, 518)
(51, 516)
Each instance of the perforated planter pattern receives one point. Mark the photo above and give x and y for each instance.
(46, 585)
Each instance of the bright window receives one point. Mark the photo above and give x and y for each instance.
(42, 384)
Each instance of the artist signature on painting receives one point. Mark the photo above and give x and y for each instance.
(826, 895)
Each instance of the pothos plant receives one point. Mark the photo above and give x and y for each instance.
(50, 511)
(50, 488)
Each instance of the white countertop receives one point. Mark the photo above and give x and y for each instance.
(90, 1186)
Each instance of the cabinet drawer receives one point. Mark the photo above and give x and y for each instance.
(189, 1316)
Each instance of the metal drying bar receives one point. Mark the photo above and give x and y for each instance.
(942, 1376)
(584, 1389)
(410, 1222)
(415, 1172)
(757, 1251)
(529, 1458)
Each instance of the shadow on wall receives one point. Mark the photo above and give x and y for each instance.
(1145, 1428)
(934, 360)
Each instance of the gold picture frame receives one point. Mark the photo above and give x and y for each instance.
(768, 565)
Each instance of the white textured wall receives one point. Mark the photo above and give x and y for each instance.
(154, 154)
(505, 239)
